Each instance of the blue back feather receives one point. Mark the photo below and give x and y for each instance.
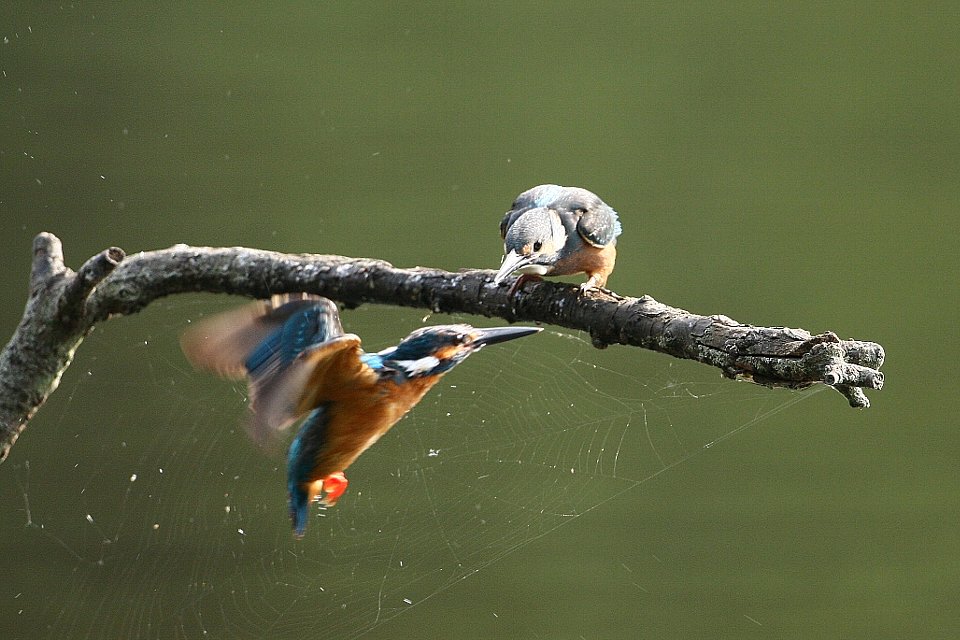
(548, 193)
(372, 360)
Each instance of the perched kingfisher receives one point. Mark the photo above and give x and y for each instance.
(299, 362)
(558, 231)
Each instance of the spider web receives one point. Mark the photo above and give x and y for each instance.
(149, 514)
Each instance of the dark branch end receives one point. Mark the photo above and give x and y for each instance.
(91, 274)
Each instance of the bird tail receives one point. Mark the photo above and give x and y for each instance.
(301, 460)
(299, 510)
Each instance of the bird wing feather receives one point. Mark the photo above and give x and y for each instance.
(599, 226)
(224, 343)
(317, 375)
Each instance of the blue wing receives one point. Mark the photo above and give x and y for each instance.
(278, 373)
(264, 341)
(229, 343)
(297, 326)
(302, 324)
(599, 225)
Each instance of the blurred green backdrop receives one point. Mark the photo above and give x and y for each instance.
(782, 164)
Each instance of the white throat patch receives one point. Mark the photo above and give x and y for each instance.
(416, 367)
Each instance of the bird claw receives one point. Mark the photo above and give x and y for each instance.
(595, 282)
(586, 288)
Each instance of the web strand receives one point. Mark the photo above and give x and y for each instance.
(515, 444)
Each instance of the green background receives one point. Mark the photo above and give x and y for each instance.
(780, 163)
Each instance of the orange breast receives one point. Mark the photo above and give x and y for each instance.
(358, 416)
(588, 259)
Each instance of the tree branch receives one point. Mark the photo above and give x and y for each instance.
(64, 306)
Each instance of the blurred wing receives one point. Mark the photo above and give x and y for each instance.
(284, 394)
(224, 343)
(297, 326)
(599, 226)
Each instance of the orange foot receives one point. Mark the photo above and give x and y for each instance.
(334, 485)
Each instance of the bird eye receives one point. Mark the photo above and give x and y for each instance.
(537, 245)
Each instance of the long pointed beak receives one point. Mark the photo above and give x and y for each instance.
(501, 334)
(511, 262)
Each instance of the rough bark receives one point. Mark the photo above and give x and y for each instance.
(65, 305)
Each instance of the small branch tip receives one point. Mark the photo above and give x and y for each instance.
(100, 266)
(47, 258)
(854, 395)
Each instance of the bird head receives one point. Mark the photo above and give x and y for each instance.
(435, 350)
(532, 244)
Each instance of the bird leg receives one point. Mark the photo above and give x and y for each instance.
(597, 280)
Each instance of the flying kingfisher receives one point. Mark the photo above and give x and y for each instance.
(557, 231)
(299, 362)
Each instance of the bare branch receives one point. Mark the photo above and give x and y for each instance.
(64, 306)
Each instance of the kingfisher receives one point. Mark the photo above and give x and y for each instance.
(299, 362)
(558, 231)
